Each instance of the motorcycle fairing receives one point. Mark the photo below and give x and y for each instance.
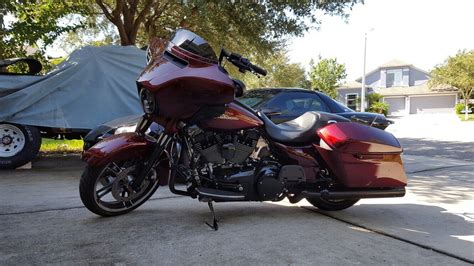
(183, 83)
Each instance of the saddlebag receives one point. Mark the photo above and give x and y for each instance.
(361, 156)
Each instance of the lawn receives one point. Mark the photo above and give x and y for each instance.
(61, 146)
(470, 117)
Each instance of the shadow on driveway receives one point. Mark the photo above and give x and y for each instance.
(447, 186)
(435, 148)
(424, 225)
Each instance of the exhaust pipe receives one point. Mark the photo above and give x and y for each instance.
(365, 194)
(350, 194)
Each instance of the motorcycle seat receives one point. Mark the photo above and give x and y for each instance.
(301, 130)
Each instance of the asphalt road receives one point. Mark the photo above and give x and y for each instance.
(43, 221)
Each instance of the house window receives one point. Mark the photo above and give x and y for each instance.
(394, 77)
(351, 100)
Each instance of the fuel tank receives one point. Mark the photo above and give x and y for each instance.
(235, 117)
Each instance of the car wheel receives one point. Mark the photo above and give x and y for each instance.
(19, 144)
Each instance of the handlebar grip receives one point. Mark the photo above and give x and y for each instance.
(258, 70)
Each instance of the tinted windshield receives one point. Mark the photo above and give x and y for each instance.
(192, 43)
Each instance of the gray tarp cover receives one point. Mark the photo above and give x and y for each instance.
(94, 85)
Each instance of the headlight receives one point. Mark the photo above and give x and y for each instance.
(148, 101)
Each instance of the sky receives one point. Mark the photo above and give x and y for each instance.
(420, 32)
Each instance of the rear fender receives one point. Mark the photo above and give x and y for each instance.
(117, 148)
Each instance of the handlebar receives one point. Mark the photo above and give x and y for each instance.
(241, 62)
(258, 70)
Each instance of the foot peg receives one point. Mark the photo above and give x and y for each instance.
(214, 225)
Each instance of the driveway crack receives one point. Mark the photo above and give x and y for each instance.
(75, 207)
(442, 252)
(439, 168)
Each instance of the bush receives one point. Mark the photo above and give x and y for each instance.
(379, 107)
(460, 107)
(373, 98)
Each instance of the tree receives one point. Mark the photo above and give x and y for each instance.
(456, 71)
(250, 27)
(281, 73)
(326, 75)
(36, 24)
(244, 24)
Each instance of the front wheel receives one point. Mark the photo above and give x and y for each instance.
(332, 205)
(107, 190)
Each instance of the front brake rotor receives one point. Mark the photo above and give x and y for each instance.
(122, 189)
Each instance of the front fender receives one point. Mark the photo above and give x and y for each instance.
(117, 148)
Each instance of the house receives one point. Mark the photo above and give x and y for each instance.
(404, 87)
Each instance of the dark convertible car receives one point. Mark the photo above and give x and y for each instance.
(279, 104)
(282, 104)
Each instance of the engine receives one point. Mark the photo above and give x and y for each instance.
(224, 148)
(226, 163)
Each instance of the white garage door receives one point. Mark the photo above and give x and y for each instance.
(396, 106)
(432, 104)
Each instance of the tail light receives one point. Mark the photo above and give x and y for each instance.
(333, 136)
(357, 138)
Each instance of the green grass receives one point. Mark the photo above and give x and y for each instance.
(470, 117)
(61, 146)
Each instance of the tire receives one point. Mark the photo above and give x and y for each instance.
(332, 205)
(95, 176)
(19, 144)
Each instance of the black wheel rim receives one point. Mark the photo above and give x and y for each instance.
(113, 191)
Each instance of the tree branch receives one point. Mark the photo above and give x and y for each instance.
(118, 9)
(105, 9)
(158, 11)
(140, 19)
(143, 12)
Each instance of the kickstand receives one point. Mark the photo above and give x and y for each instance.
(214, 225)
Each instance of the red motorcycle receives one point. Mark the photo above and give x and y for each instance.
(225, 151)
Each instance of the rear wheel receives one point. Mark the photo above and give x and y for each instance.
(107, 190)
(332, 205)
(19, 144)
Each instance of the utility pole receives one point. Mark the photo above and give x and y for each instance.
(362, 94)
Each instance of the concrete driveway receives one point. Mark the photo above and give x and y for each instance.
(43, 221)
(435, 135)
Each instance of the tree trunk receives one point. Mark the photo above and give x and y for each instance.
(466, 107)
(125, 17)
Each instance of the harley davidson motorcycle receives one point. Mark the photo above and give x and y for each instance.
(225, 151)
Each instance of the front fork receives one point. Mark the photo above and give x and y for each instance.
(161, 143)
(143, 125)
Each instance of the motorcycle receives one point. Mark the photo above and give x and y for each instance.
(225, 151)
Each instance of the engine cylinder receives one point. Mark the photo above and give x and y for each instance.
(223, 148)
